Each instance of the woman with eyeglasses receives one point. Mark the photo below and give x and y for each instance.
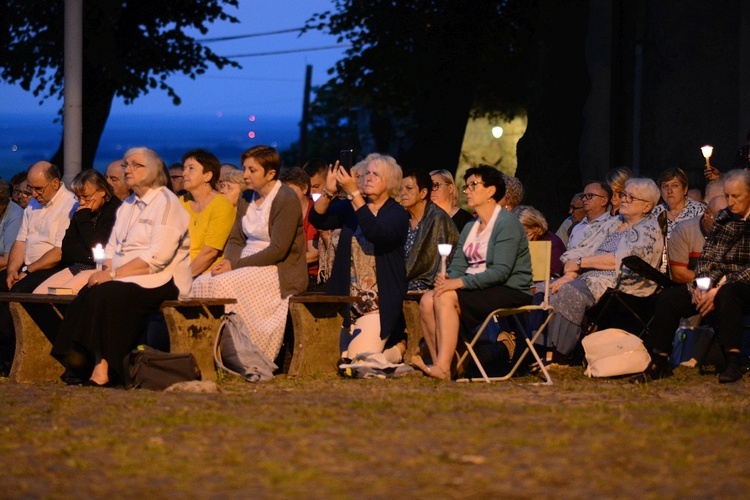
(211, 215)
(635, 231)
(147, 262)
(491, 268)
(20, 192)
(369, 261)
(445, 195)
(91, 224)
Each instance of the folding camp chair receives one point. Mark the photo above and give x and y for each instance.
(617, 309)
(541, 256)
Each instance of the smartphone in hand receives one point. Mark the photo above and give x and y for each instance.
(346, 159)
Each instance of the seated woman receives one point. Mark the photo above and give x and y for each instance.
(264, 260)
(491, 268)
(369, 261)
(299, 181)
(11, 216)
(147, 263)
(429, 226)
(676, 207)
(536, 228)
(445, 195)
(211, 215)
(231, 185)
(616, 179)
(635, 231)
(91, 224)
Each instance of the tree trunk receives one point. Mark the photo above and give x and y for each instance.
(548, 157)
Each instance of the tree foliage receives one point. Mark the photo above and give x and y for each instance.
(421, 67)
(130, 48)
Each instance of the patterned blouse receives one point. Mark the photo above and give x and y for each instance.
(691, 209)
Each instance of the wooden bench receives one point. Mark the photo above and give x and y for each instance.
(317, 322)
(192, 323)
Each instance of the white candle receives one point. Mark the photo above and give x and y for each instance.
(703, 284)
(99, 256)
(444, 249)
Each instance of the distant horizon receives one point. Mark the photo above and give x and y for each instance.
(28, 137)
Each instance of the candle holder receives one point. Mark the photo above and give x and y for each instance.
(703, 284)
(444, 249)
(707, 152)
(99, 256)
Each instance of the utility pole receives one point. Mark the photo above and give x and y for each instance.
(305, 116)
(73, 90)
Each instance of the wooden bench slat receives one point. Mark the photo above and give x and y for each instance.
(322, 299)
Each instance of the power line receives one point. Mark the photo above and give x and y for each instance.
(290, 51)
(249, 35)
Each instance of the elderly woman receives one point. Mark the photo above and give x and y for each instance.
(11, 216)
(676, 206)
(429, 225)
(369, 261)
(91, 225)
(445, 195)
(211, 215)
(634, 232)
(536, 228)
(616, 179)
(231, 185)
(491, 268)
(147, 262)
(513, 192)
(264, 260)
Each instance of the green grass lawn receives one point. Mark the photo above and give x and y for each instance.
(334, 438)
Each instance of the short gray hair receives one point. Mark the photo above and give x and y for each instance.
(645, 189)
(156, 170)
(740, 175)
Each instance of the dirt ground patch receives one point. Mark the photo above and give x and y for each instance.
(333, 438)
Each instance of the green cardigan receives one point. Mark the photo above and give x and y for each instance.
(508, 257)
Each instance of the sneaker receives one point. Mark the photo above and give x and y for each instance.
(659, 368)
(731, 373)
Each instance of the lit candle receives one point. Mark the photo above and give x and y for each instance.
(703, 283)
(444, 249)
(99, 256)
(707, 152)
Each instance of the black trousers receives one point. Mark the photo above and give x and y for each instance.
(108, 319)
(731, 302)
(27, 285)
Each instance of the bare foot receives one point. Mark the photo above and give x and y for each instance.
(433, 371)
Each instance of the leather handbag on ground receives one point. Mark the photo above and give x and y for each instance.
(148, 368)
(614, 352)
(235, 353)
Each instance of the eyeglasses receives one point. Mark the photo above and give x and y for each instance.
(436, 185)
(629, 197)
(133, 165)
(472, 186)
(573, 207)
(85, 197)
(38, 190)
(589, 196)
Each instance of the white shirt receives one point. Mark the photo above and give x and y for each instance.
(43, 227)
(475, 246)
(155, 229)
(578, 235)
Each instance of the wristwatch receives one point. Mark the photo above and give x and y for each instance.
(25, 269)
(328, 195)
(579, 262)
(351, 196)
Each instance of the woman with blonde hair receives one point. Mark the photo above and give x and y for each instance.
(369, 261)
(445, 195)
(535, 225)
(616, 179)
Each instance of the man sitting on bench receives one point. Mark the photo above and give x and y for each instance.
(37, 249)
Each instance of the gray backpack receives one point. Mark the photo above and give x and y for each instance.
(236, 354)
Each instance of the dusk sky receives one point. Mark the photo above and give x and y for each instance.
(269, 85)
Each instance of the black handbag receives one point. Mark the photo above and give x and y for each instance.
(148, 368)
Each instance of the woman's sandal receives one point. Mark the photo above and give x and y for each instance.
(433, 371)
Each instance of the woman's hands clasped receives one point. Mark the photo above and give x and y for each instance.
(444, 284)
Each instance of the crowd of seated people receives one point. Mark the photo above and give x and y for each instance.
(205, 229)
